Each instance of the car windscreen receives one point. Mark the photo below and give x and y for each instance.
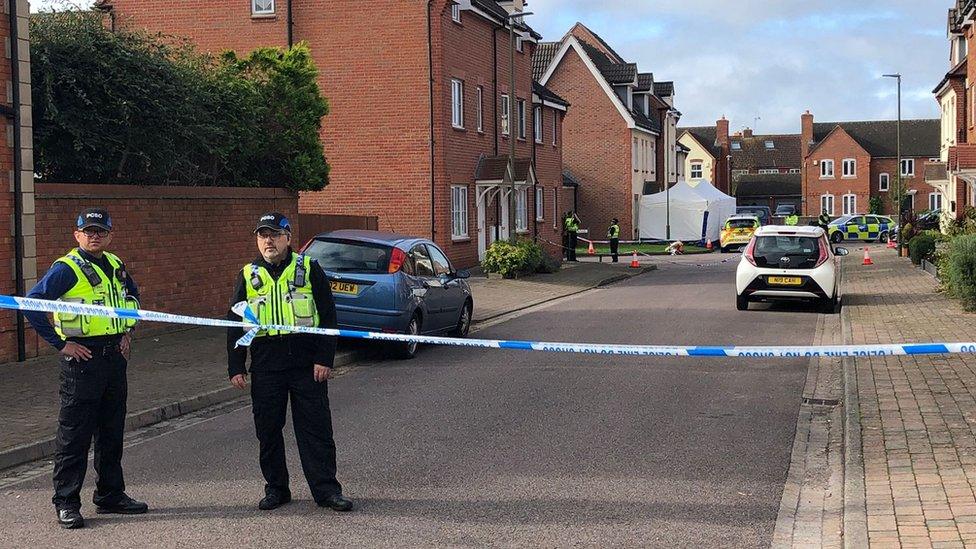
(841, 221)
(350, 256)
(740, 224)
(786, 252)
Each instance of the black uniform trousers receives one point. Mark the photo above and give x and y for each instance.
(614, 248)
(573, 242)
(93, 395)
(312, 419)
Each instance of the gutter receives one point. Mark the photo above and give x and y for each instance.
(430, 72)
(18, 183)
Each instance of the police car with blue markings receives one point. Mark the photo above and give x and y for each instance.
(868, 228)
(789, 263)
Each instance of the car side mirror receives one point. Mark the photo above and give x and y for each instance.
(841, 251)
(462, 274)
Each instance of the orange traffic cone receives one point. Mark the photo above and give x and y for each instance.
(634, 264)
(590, 250)
(891, 244)
(867, 257)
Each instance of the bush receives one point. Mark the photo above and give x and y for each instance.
(921, 247)
(511, 260)
(126, 107)
(876, 205)
(959, 275)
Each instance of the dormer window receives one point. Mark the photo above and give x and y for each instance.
(518, 44)
(770, 145)
(456, 13)
(736, 146)
(262, 7)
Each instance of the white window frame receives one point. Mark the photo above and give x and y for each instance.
(457, 103)
(255, 10)
(459, 212)
(521, 210)
(848, 168)
(537, 123)
(481, 108)
(635, 161)
(935, 197)
(518, 44)
(849, 202)
(826, 169)
(555, 129)
(540, 204)
(697, 167)
(505, 122)
(768, 171)
(520, 106)
(769, 145)
(794, 170)
(827, 203)
(905, 163)
(884, 182)
(736, 146)
(555, 207)
(456, 12)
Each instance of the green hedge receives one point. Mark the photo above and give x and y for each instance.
(126, 107)
(958, 270)
(922, 246)
(524, 257)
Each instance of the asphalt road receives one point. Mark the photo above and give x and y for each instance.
(468, 447)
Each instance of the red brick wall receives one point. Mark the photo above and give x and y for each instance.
(916, 183)
(838, 146)
(549, 167)
(8, 327)
(596, 147)
(182, 245)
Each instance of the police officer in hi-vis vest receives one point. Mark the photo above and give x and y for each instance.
(613, 234)
(571, 223)
(94, 352)
(284, 288)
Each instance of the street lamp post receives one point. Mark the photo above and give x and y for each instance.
(512, 232)
(898, 187)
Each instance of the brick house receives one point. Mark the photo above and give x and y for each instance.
(708, 154)
(954, 176)
(845, 164)
(418, 122)
(620, 137)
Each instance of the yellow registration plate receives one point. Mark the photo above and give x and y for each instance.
(344, 288)
(786, 280)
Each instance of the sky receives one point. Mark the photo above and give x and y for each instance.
(761, 63)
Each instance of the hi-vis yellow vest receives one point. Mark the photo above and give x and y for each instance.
(94, 287)
(286, 301)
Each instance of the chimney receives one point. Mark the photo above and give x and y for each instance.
(806, 133)
(722, 167)
(747, 132)
(722, 133)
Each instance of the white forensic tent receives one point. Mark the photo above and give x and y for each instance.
(688, 206)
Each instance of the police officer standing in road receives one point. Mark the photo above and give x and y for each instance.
(824, 220)
(613, 233)
(284, 288)
(94, 353)
(571, 224)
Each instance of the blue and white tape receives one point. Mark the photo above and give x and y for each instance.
(251, 327)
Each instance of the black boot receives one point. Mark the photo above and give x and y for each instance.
(70, 518)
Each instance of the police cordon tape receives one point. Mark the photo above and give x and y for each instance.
(42, 305)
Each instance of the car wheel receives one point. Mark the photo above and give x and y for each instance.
(723, 249)
(741, 303)
(883, 238)
(464, 322)
(407, 351)
(828, 305)
(836, 238)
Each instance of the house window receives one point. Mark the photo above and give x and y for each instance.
(850, 204)
(537, 114)
(736, 146)
(518, 44)
(457, 103)
(555, 131)
(935, 201)
(770, 145)
(521, 118)
(456, 13)
(504, 112)
(633, 153)
(737, 173)
(459, 212)
(481, 109)
(794, 170)
(826, 169)
(849, 167)
(827, 204)
(521, 211)
(884, 182)
(540, 203)
(262, 7)
(696, 170)
(768, 171)
(908, 167)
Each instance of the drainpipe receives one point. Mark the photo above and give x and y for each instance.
(494, 83)
(18, 183)
(430, 71)
(291, 27)
(535, 180)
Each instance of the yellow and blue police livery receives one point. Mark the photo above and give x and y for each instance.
(868, 228)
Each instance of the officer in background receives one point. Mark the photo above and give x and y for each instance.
(613, 233)
(284, 288)
(94, 353)
(792, 219)
(824, 220)
(572, 223)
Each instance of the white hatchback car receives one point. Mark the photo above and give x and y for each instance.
(789, 262)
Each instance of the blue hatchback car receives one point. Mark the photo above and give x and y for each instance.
(385, 282)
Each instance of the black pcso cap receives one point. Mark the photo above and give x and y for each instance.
(94, 217)
(273, 220)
